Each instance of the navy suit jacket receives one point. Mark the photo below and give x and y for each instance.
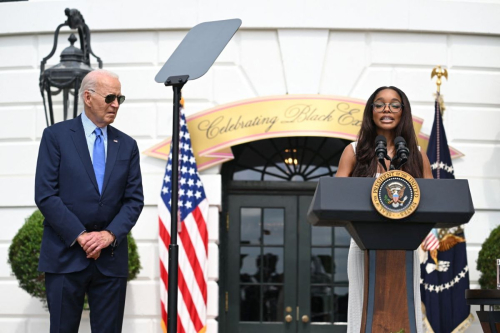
(66, 193)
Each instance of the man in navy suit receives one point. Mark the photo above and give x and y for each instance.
(88, 187)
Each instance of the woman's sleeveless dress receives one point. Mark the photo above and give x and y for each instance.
(355, 274)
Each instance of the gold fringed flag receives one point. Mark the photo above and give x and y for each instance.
(444, 269)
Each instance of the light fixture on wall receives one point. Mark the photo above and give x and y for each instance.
(292, 159)
(67, 76)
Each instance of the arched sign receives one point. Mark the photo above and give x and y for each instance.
(213, 132)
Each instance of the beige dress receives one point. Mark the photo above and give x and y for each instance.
(355, 274)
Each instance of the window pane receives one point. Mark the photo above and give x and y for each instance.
(340, 304)
(272, 174)
(250, 303)
(287, 159)
(250, 226)
(321, 304)
(249, 264)
(319, 172)
(274, 221)
(321, 265)
(247, 174)
(341, 265)
(321, 236)
(342, 237)
(273, 303)
(272, 265)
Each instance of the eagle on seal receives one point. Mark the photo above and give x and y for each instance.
(396, 191)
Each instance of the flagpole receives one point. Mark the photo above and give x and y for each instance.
(173, 249)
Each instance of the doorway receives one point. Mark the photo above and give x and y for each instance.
(278, 273)
(284, 275)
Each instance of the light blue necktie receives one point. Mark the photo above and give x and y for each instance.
(99, 159)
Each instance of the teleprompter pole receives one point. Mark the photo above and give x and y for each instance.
(177, 82)
(191, 60)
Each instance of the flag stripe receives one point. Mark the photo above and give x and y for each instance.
(193, 260)
(198, 230)
(184, 266)
(183, 315)
(431, 242)
(202, 225)
(164, 239)
(163, 291)
(164, 317)
(199, 241)
(195, 265)
(191, 308)
(164, 235)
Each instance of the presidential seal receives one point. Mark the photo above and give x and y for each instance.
(395, 194)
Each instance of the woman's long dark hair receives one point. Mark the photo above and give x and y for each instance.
(366, 162)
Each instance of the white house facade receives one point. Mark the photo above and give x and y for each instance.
(340, 48)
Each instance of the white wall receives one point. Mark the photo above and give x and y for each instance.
(327, 47)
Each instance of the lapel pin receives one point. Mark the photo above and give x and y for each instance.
(115, 140)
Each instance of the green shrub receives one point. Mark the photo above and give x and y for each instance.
(486, 261)
(24, 253)
(134, 263)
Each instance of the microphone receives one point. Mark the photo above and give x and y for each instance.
(402, 151)
(381, 150)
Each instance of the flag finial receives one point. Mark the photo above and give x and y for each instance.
(439, 72)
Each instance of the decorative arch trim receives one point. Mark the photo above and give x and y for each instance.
(214, 131)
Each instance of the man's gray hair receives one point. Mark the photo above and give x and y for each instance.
(89, 82)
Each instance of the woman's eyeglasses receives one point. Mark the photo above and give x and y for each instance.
(111, 97)
(394, 107)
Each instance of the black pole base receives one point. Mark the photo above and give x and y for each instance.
(173, 264)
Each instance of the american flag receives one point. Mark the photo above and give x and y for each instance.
(192, 239)
(431, 242)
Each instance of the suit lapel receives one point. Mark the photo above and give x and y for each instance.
(113, 147)
(78, 136)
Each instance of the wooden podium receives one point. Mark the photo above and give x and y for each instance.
(388, 304)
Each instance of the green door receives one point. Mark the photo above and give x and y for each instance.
(283, 275)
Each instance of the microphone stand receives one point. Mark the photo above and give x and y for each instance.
(402, 160)
(382, 162)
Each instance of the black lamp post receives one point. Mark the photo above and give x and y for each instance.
(67, 76)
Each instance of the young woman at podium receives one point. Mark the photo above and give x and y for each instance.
(388, 113)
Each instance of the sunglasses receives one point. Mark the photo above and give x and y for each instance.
(111, 97)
